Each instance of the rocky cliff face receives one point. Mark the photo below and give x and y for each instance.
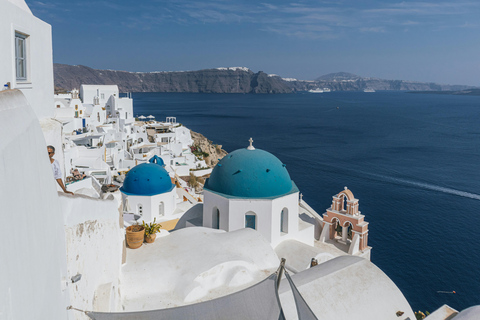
(214, 151)
(227, 80)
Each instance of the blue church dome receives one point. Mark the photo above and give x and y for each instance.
(147, 179)
(250, 173)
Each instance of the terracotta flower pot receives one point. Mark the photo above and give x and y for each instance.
(150, 238)
(135, 236)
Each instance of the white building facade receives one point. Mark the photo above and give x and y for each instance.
(148, 192)
(251, 188)
(26, 55)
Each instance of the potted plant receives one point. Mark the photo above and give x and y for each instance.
(135, 234)
(150, 230)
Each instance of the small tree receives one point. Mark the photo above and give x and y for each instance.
(192, 182)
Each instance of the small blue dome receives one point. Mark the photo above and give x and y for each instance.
(250, 174)
(156, 159)
(147, 179)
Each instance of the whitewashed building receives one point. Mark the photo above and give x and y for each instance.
(251, 188)
(149, 192)
(26, 55)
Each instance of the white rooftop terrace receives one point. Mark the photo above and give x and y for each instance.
(192, 265)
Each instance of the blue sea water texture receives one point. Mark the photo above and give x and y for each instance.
(411, 159)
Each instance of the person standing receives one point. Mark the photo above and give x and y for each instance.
(57, 172)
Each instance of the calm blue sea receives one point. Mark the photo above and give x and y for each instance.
(413, 160)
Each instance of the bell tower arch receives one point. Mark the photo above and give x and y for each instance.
(344, 223)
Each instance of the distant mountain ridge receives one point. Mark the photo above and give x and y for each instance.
(344, 81)
(228, 80)
(222, 80)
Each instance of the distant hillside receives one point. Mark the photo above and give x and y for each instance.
(343, 81)
(222, 80)
(338, 76)
(468, 92)
(228, 80)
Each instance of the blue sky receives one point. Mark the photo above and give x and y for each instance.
(410, 40)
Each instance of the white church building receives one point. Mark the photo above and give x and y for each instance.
(251, 188)
(149, 192)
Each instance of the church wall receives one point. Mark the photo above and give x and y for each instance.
(145, 202)
(210, 201)
(169, 205)
(151, 206)
(262, 208)
(33, 275)
(291, 203)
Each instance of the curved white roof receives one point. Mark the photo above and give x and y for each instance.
(194, 264)
(472, 313)
(347, 287)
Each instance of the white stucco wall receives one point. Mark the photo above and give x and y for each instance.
(268, 212)
(63, 112)
(124, 106)
(38, 88)
(210, 201)
(53, 133)
(88, 92)
(33, 266)
(183, 136)
(151, 206)
(94, 241)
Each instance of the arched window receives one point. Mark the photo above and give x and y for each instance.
(161, 209)
(251, 220)
(284, 221)
(336, 228)
(215, 218)
(348, 229)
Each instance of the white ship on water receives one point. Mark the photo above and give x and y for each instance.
(318, 90)
(368, 90)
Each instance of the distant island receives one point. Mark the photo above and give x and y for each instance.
(229, 80)
(467, 92)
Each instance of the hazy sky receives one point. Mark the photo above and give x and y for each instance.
(409, 40)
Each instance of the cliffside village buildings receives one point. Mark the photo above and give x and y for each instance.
(219, 253)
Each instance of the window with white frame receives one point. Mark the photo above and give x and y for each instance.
(21, 55)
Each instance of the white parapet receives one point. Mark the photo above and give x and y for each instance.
(33, 268)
